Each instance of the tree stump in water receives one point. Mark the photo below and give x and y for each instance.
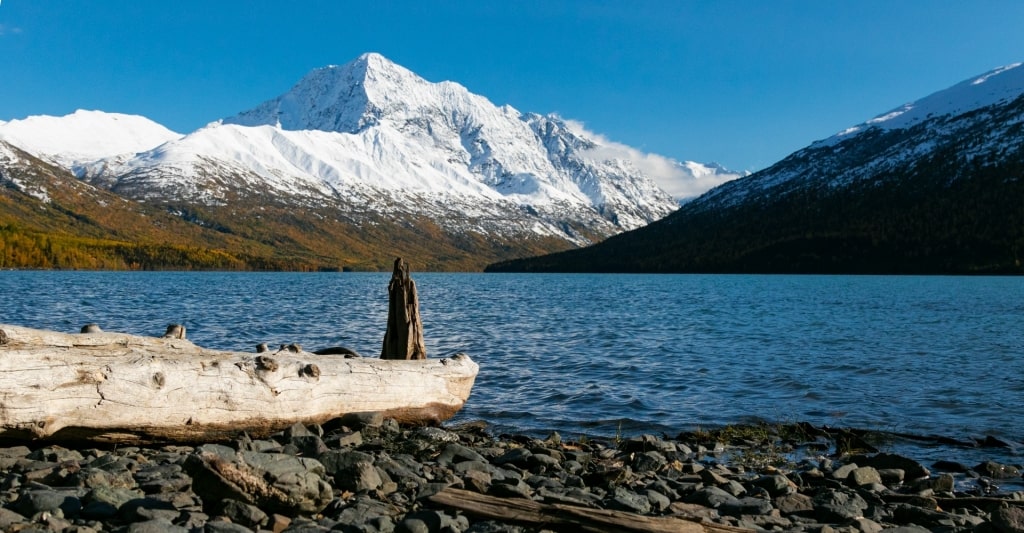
(403, 338)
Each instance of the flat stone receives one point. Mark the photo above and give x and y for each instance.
(746, 506)
(710, 497)
(865, 475)
(457, 453)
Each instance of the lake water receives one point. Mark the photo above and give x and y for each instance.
(611, 354)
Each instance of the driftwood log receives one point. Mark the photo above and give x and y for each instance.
(116, 387)
(568, 517)
(403, 338)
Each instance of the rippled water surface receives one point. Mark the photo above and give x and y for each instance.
(603, 354)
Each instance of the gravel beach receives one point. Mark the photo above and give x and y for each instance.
(367, 474)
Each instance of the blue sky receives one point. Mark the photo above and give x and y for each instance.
(742, 83)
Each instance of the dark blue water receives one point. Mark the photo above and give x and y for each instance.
(604, 354)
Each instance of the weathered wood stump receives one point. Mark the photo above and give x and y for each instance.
(403, 338)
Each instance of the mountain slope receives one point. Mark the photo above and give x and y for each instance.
(935, 186)
(364, 161)
(373, 133)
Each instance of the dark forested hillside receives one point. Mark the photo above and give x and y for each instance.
(859, 207)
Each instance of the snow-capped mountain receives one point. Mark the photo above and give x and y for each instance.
(85, 136)
(934, 185)
(371, 135)
(973, 117)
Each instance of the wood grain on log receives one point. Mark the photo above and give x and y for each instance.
(533, 513)
(115, 387)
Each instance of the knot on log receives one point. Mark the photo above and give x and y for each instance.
(293, 347)
(91, 328)
(3, 337)
(310, 370)
(175, 331)
(159, 380)
(265, 363)
(262, 348)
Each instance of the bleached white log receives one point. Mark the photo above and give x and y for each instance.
(116, 387)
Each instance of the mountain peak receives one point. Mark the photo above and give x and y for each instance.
(343, 98)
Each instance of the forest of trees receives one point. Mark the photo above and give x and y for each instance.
(944, 214)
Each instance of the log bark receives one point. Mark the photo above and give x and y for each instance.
(116, 387)
(403, 338)
(568, 517)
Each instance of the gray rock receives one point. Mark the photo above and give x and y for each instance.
(659, 502)
(996, 470)
(510, 488)
(865, 475)
(147, 508)
(243, 513)
(538, 462)
(489, 526)
(776, 485)
(911, 468)
(360, 477)
(56, 454)
(8, 518)
(48, 501)
(359, 421)
(623, 499)
(343, 439)
(651, 461)
(745, 506)
(309, 445)
(221, 526)
(712, 497)
(433, 434)
(276, 482)
(843, 472)
(1008, 519)
(892, 476)
(795, 503)
(157, 525)
(839, 505)
(104, 502)
(457, 453)
(515, 456)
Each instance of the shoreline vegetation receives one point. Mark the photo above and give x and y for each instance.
(365, 473)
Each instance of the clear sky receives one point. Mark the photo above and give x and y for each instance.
(742, 83)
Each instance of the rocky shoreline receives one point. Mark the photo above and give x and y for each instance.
(367, 474)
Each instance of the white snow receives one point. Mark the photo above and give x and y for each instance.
(374, 134)
(998, 85)
(84, 135)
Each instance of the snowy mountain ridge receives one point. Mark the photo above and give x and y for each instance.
(975, 116)
(371, 135)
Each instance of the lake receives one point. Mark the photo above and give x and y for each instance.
(618, 354)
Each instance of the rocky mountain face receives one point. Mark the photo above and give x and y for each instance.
(933, 186)
(364, 161)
